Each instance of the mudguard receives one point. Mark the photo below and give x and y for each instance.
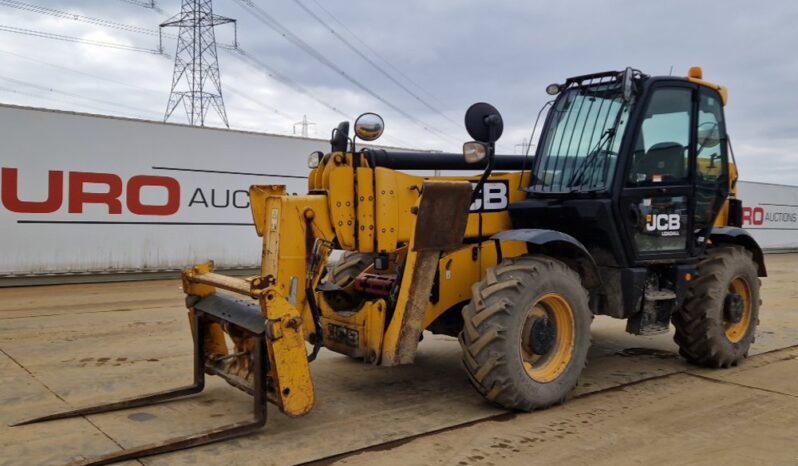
(559, 245)
(737, 235)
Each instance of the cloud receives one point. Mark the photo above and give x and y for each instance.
(504, 52)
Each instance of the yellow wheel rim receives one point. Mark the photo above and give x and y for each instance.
(545, 364)
(736, 331)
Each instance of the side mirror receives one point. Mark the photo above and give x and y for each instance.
(708, 135)
(369, 126)
(474, 152)
(484, 123)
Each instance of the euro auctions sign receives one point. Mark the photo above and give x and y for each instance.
(83, 193)
(78, 194)
(141, 195)
(770, 214)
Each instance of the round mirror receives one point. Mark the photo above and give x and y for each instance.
(483, 122)
(708, 135)
(369, 126)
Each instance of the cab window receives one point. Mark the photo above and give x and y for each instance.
(661, 150)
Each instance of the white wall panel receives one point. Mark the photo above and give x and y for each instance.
(770, 213)
(211, 219)
(211, 168)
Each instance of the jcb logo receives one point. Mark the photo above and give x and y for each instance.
(495, 197)
(663, 222)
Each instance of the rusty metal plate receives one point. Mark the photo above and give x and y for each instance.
(442, 215)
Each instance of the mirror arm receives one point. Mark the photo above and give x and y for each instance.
(492, 121)
(488, 169)
(355, 159)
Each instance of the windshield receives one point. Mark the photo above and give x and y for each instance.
(581, 145)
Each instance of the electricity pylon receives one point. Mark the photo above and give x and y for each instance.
(195, 82)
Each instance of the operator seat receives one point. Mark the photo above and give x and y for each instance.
(666, 159)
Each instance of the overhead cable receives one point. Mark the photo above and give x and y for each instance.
(371, 62)
(70, 94)
(77, 40)
(272, 23)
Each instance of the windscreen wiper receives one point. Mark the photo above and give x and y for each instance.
(591, 157)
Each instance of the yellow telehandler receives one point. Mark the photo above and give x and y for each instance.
(627, 209)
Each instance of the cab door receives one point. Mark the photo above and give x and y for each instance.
(711, 166)
(657, 193)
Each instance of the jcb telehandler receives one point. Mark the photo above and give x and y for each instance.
(628, 209)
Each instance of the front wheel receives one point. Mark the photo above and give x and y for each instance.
(715, 326)
(526, 333)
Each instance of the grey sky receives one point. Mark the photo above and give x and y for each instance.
(503, 52)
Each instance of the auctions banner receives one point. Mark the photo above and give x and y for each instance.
(82, 193)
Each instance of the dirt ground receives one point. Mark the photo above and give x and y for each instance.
(637, 402)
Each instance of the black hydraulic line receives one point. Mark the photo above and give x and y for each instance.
(316, 313)
(436, 161)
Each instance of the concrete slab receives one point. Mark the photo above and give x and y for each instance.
(679, 419)
(776, 372)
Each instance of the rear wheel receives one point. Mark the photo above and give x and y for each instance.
(526, 333)
(716, 325)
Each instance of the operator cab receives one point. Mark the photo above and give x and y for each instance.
(633, 166)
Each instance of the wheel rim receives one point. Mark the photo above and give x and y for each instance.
(735, 331)
(548, 338)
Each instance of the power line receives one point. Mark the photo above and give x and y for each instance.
(94, 76)
(72, 70)
(274, 110)
(272, 73)
(275, 25)
(237, 52)
(133, 86)
(75, 17)
(115, 25)
(77, 40)
(365, 45)
(146, 4)
(374, 64)
(55, 99)
(228, 88)
(70, 94)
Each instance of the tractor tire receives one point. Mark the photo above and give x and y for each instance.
(343, 272)
(712, 330)
(526, 333)
(348, 267)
